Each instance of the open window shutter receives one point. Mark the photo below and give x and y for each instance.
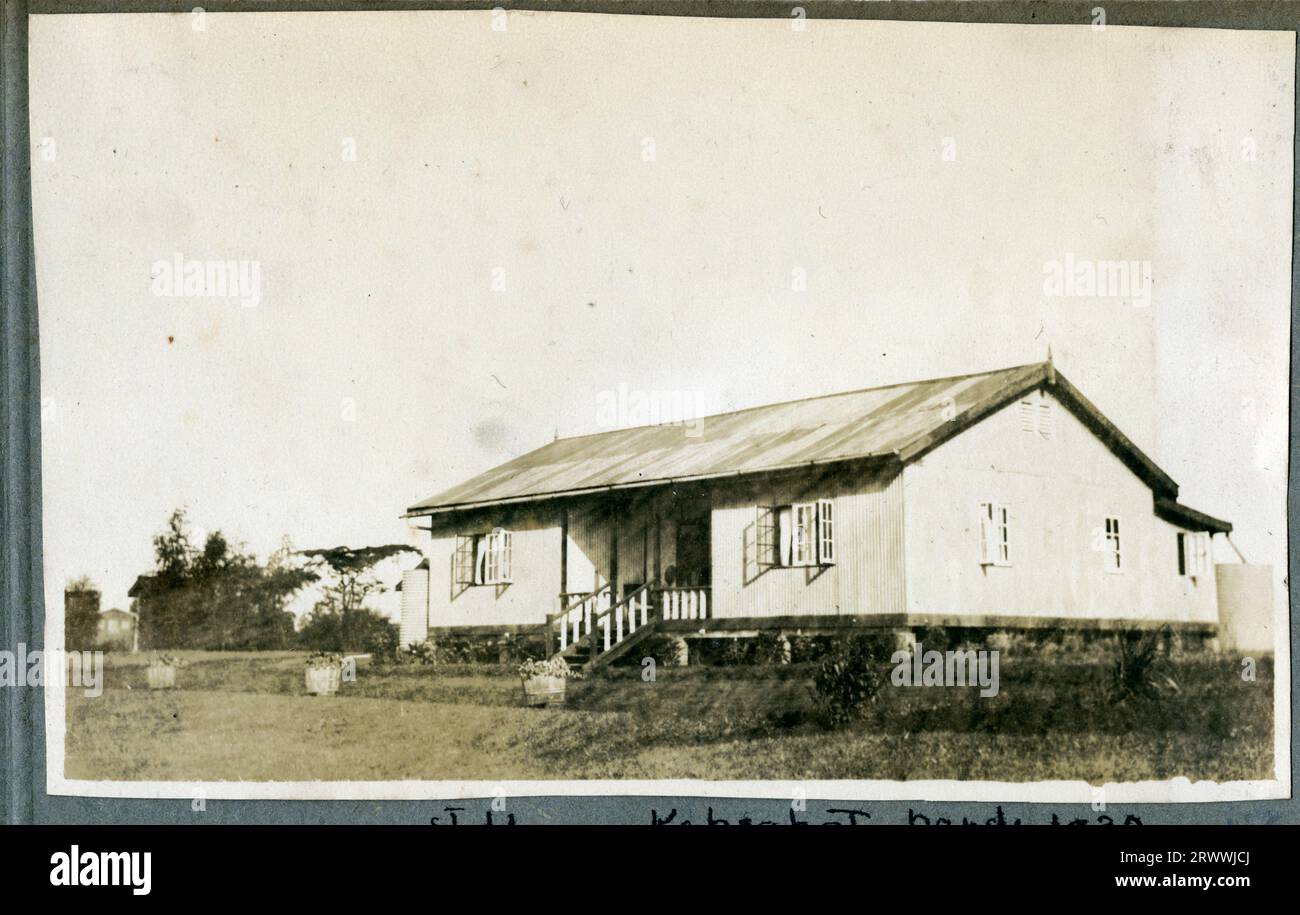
(805, 524)
(986, 533)
(1193, 554)
(464, 560)
(492, 552)
(505, 562)
(1198, 561)
(785, 536)
(481, 545)
(765, 539)
(1003, 528)
(825, 532)
(798, 537)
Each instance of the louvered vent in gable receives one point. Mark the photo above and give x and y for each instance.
(1028, 416)
(1036, 417)
(1045, 419)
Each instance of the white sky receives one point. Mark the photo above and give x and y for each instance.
(523, 151)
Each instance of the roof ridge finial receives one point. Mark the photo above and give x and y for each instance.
(1051, 366)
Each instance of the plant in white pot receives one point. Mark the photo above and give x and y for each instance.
(324, 673)
(544, 681)
(161, 671)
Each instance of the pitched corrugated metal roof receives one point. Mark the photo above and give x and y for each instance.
(891, 421)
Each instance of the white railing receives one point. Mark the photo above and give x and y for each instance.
(684, 603)
(575, 620)
(592, 617)
(627, 617)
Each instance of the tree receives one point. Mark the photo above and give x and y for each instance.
(354, 571)
(172, 549)
(163, 610)
(218, 596)
(341, 621)
(80, 614)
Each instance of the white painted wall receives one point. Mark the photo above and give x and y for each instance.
(1060, 490)
(536, 571)
(868, 578)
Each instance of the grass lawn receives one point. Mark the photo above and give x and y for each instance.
(244, 716)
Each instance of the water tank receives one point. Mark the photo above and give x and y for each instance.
(1245, 594)
(415, 605)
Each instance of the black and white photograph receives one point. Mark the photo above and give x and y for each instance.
(497, 403)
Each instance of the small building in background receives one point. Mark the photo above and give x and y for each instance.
(117, 629)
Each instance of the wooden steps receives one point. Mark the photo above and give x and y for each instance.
(580, 655)
(591, 633)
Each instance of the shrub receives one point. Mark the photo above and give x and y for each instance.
(663, 648)
(805, 648)
(478, 650)
(771, 648)
(935, 638)
(361, 630)
(848, 680)
(1073, 643)
(712, 652)
(453, 650)
(1140, 671)
(422, 653)
(736, 652)
(378, 638)
(512, 649)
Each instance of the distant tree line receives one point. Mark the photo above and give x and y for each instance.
(218, 596)
(80, 614)
(215, 596)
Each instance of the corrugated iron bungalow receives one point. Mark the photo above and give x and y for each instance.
(1003, 499)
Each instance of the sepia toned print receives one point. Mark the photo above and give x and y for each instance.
(585, 404)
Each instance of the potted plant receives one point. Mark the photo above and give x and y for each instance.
(324, 673)
(161, 671)
(544, 681)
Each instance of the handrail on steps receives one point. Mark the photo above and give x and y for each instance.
(592, 619)
(629, 615)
